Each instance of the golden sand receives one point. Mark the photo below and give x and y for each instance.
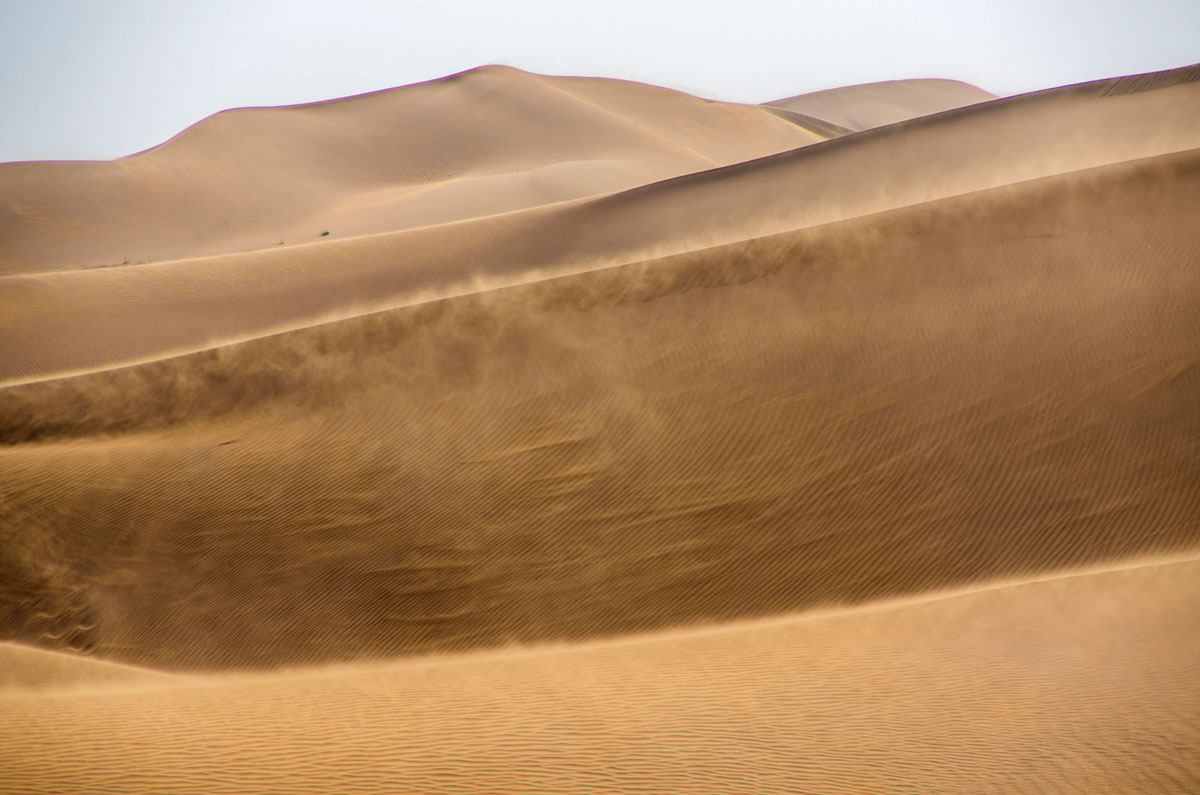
(611, 440)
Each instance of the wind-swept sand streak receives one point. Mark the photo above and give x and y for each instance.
(29, 670)
(991, 385)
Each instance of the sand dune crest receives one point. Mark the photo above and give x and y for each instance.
(870, 105)
(486, 141)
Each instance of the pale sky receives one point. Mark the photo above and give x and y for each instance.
(97, 79)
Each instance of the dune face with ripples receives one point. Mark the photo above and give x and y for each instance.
(610, 439)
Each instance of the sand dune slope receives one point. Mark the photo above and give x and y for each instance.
(485, 141)
(1075, 684)
(876, 104)
(82, 320)
(995, 384)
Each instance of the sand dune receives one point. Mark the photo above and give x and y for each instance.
(870, 105)
(1079, 683)
(76, 321)
(569, 457)
(609, 359)
(483, 142)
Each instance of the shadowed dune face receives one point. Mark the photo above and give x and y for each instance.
(902, 402)
(609, 359)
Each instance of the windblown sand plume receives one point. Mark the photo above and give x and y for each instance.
(512, 433)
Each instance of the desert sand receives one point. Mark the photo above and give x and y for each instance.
(515, 433)
(857, 108)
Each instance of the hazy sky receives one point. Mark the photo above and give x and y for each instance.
(105, 78)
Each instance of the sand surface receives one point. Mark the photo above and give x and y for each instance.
(613, 439)
(1074, 684)
(857, 108)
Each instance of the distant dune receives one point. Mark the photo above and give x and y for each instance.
(483, 142)
(611, 439)
(857, 108)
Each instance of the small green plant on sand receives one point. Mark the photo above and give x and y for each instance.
(323, 234)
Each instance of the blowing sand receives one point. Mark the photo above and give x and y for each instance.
(611, 440)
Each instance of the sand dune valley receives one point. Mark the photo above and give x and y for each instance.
(510, 433)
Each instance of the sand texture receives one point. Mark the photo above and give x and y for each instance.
(612, 440)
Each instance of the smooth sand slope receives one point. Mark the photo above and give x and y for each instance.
(486, 141)
(952, 353)
(876, 104)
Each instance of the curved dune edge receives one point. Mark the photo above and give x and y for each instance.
(1080, 681)
(861, 107)
(81, 321)
(488, 140)
(40, 305)
(1155, 185)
